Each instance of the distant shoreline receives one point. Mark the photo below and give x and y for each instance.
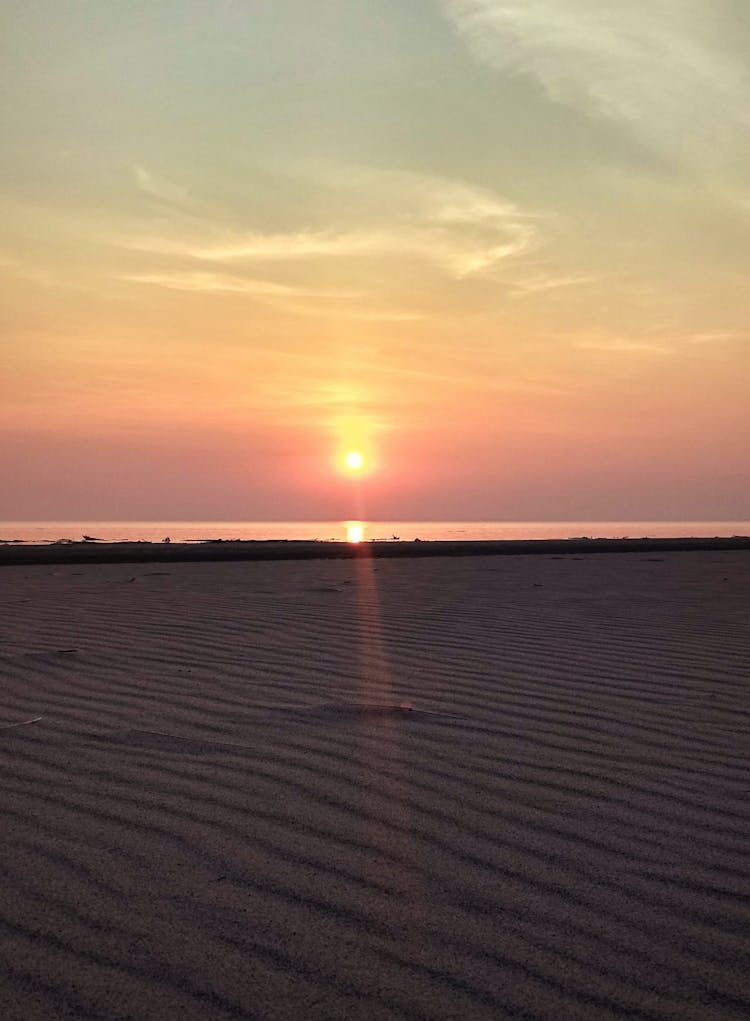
(12, 554)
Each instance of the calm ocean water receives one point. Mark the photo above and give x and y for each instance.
(196, 531)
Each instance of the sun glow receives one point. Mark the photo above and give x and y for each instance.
(354, 461)
(355, 531)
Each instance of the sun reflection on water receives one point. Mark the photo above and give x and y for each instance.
(355, 531)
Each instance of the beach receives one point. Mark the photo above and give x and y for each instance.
(97, 552)
(375, 787)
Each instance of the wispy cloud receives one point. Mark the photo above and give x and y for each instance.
(236, 247)
(624, 345)
(359, 315)
(304, 301)
(161, 189)
(541, 282)
(207, 283)
(658, 67)
(463, 229)
(714, 337)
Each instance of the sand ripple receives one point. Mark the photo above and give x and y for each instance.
(486, 788)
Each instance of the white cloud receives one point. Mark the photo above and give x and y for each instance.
(657, 67)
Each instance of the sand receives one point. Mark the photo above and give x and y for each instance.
(487, 787)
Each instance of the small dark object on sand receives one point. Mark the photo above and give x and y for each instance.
(90, 538)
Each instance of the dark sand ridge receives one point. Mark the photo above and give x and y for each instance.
(429, 788)
(65, 552)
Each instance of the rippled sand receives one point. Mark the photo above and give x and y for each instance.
(507, 787)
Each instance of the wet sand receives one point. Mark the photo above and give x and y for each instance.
(218, 550)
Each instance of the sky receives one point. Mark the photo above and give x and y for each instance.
(499, 247)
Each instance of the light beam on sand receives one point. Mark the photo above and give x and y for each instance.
(382, 735)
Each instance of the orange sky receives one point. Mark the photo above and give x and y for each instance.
(240, 240)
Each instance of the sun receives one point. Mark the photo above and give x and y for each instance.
(354, 461)
(355, 531)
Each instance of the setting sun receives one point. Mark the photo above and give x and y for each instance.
(354, 461)
(355, 531)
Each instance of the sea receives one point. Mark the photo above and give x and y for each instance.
(357, 531)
